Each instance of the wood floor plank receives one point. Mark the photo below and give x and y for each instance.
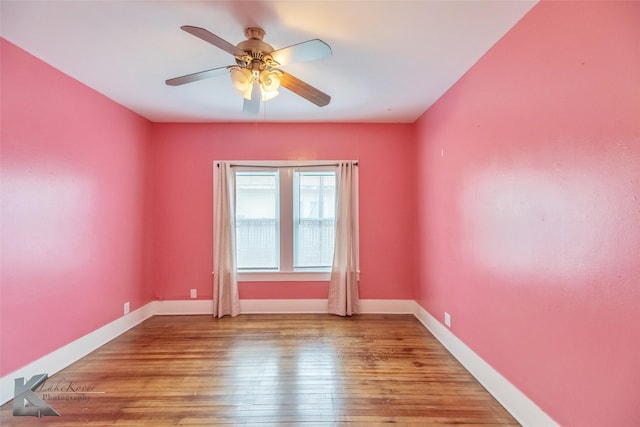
(260, 370)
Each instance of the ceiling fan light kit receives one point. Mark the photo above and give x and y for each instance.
(257, 76)
(269, 82)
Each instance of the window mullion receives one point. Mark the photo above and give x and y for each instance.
(286, 219)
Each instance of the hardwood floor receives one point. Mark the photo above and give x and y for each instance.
(284, 370)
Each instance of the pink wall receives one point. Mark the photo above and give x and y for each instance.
(75, 210)
(530, 222)
(183, 201)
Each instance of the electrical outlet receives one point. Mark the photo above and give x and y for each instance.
(447, 319)
(194, 293)
(126, 307)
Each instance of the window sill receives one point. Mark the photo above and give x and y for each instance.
(284, 276)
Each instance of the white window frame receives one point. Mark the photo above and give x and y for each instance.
(286, 169)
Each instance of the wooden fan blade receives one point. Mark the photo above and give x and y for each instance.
(189, 78)
(252, 106)
(310, 50)
(303, 89)
(209, 37)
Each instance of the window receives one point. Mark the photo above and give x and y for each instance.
(285, 222)
(257, 221)
(314, 214)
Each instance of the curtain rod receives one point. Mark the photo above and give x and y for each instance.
(286, 166)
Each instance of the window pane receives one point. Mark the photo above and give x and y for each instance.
(314, 218)
(257, 223)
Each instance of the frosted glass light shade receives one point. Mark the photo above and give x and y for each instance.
(241, 78)
(269, 81)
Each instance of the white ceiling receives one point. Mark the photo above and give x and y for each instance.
(391, 59)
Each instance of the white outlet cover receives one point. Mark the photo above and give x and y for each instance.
(194, 293)
(126, 308)
(447, 319)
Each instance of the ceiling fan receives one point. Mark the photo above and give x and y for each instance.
(257, 74)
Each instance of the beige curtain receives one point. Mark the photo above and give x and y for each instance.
(343, 288)
(225, 282)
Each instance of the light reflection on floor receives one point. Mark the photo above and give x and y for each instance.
(296, 380)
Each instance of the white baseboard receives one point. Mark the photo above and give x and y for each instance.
(523, 409)
(276, 306)
(194, 306)
(320, 306)
(387, 306)
(65, 356)
(280, 306)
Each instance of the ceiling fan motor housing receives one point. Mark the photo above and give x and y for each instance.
(257, 49)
